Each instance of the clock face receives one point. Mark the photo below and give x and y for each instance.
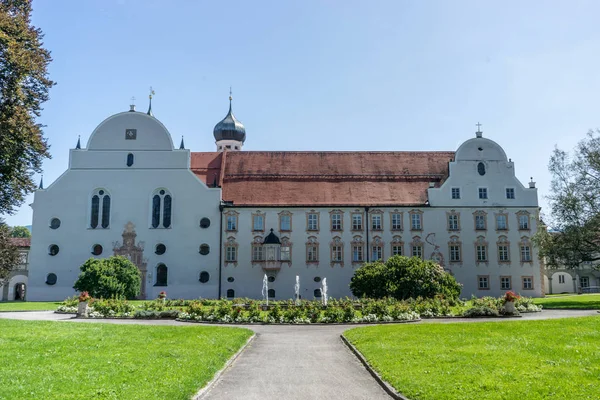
(130, 134)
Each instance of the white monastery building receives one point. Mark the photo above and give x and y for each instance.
(212, 224)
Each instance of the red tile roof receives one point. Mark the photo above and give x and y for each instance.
(269, 178)
(21, 242)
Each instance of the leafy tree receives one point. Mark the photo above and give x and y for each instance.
(402, 278)
(574, 206)
(24, 86)
(9, 253)
(20, 232)
(113, 277)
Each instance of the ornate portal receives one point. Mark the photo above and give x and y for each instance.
(135, 253)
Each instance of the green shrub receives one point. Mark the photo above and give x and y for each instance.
(72, 301)
(274, 314)
(111, 307)
(254, 312)
(481, 311)
(403, 278)
(108, 278)
(333, 314)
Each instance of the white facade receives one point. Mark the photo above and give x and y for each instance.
(477, 224)
(103, 166)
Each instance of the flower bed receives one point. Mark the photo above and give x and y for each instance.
(249, 311)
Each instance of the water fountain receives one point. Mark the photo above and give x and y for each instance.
(297, 289)
(265, 289)
(324, 292)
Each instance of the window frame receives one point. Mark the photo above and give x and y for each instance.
(455, 193)
(483, 191)
(510, 190)
(523, 280)
(509, 278)
(483, 278)
(397, 226)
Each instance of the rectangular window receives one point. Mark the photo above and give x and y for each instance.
(561, 279)
(481, 252)
(484, 282)
(480, 222)
(456, 193)
(259, 223)
(232, 222)
(501, 222)
(336, 222)
(527, 282)
(510, 193)
(483, 193)
(396, 222)
(525, 253)
(357, 222)
(336, 253)
(524, 222)
(417, 251)
(377, 253)
(257, 253)
(357, 253)
(231, 254)
(505, 283)
(503, 253)
(285, 222)
(453, 222)
(584, 281)
(313, 222)
(376, 222)
(312, 253)
(396, 250)
(415, 222)
(454, 253)
(285, 253)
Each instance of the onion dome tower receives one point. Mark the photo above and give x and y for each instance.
(229, 134)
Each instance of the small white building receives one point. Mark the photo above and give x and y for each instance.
(212, 224)
(15, 287)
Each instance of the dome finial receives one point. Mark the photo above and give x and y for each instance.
(478, 133)
(150, 105)
(181, 145)
(230, 98)
(78, 147)
(42, 182)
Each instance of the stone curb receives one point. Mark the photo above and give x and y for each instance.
(203, 391)
(384, 385)
(292, 324)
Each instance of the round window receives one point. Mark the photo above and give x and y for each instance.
(204, 249)
(101, 192)
(51, 279)
(230, 279)
(481, 168)
(162, 192)
(54, 223)
(317, 279)
(53, 250)
(97, 249)
(271, 279)
(204, 223)
(160, 249)
(204, 276)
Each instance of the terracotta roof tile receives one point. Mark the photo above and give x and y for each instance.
(21, 242)
(325, 178)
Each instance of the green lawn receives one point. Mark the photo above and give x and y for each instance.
(581, 301)
(29, 305)
(64, 360)
(551, 359)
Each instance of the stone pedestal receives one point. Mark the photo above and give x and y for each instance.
(82, 309)
(509, 307)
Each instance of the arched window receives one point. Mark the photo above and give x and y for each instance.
(129, 160)
(100, 210)
(161, 275)
(271, 293)
(481, 168)
(317, 293)
(161, 209)
(230, 293)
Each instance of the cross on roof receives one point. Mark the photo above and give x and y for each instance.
(478, 127)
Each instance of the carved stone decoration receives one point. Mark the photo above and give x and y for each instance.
(133, 252)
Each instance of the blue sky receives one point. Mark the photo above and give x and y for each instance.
(329, 75)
